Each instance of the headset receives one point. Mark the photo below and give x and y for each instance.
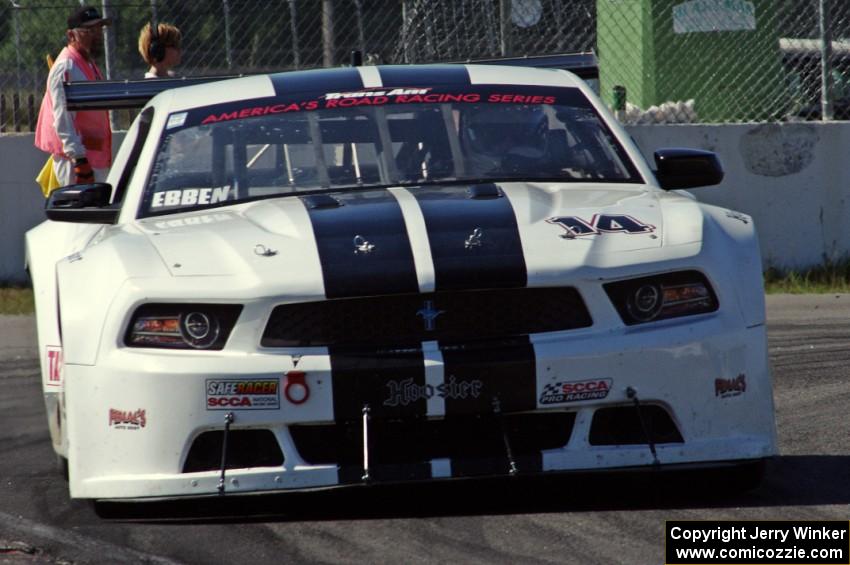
(156, 51)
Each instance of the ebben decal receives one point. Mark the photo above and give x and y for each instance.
(724, 388)
(190, 197)
(402, 393)
(600, 223)
(127, 420)
(54, 365)
(575, 391)
(263, 394)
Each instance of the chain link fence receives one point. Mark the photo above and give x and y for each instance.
(726, 60)
(674, 60)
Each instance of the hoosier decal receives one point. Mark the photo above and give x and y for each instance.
(575, 391)
(243, 394)
(406, 391)
(600, 223)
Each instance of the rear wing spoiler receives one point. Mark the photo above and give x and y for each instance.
(123, 94)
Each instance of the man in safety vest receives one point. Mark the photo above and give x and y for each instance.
(80, 142)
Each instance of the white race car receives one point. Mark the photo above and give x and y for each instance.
(396, 273)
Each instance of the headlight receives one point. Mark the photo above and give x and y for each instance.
(648, 299)
(182, 326)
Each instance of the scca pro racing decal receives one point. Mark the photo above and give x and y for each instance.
(260, 394)
(575, 391)
(600, 223)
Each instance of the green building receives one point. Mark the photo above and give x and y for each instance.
(722, 53)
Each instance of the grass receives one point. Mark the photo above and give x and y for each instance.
(831, 277)
(16, 300)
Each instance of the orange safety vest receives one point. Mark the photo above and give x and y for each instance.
(93, 126)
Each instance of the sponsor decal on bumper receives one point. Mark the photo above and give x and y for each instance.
(262, 394)
(724, 388)
(575, 391)
(127, 419)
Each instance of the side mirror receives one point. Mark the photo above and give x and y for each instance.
(82, 203)
(687, 168)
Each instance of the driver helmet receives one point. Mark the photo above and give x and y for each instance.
(492, 132)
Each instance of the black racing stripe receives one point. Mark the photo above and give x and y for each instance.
(505, 371)
(392, 384)
(430, 75)
(318, 80)
(475, 376)
(373, 222)
(474, 241)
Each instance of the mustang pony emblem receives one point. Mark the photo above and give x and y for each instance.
(361, 245)
(429, 315)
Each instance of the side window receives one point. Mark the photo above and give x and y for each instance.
(144, 126)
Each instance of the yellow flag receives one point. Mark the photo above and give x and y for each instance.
(46, 179)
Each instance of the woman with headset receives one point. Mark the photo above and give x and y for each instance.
(160, 48)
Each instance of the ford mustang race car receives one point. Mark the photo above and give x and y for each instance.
(395, 273)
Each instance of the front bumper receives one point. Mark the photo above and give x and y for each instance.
(134, 417)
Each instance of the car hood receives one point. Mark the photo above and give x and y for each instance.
(388, 240)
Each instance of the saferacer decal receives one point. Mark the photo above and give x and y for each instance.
(575, 391)
(243, 394)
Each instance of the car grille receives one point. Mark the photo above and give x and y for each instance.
(460, 438)
(453, 316)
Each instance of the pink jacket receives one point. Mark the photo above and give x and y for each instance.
(91, 126)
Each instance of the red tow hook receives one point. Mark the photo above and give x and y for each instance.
(296, 390)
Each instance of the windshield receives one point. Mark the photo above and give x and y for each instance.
(406, 137)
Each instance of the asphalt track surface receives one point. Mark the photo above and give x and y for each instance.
(572, 519)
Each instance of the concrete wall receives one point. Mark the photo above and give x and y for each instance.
(792, 178)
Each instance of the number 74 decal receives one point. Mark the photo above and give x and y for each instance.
(600, 223)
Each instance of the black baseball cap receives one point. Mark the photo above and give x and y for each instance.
(86, 16)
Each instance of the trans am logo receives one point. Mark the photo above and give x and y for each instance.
(575, 391)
